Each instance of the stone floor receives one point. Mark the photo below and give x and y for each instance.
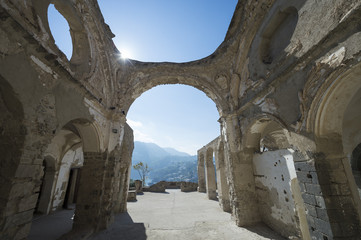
(173, 215)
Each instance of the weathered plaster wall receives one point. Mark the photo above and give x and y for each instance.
(72, 159)
(274, 172)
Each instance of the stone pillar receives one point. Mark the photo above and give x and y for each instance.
(138, 186)
(89, 203)
(127, 147)
(124, 191)
(201, 173)
(210, 176)
(72, 186)
(44, 205)
(239, 169)
(222, 186)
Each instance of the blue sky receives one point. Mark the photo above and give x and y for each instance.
(174, 116)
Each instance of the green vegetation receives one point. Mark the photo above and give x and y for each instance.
(142, 170)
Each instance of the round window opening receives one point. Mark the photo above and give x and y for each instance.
(60, 30)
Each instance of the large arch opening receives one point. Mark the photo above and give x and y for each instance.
(186, 117)
(167, 111)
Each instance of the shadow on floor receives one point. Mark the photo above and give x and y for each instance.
(52, 226)
(264, 231)
(123, 228)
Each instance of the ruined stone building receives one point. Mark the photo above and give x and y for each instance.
(286, 82)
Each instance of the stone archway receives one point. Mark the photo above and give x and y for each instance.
(89, 206)
(337, 133)
(165, 74)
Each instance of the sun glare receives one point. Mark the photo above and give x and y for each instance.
(125, 54)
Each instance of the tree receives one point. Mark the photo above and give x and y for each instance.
(142, 170)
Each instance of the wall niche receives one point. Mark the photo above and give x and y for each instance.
(278, 34)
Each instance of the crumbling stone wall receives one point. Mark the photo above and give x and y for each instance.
(297, 65)
(163, 185)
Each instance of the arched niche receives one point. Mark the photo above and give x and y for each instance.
(266, 132)
(277, 34)
(87, 132)
(266, 144)
(272, 44)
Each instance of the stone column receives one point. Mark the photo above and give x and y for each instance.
(201, 173)
(210, 175)
(124, 190)
(240, 173)
(138, 186)
(89, 202)
(222, 186)
(46, 191)
(127, 147)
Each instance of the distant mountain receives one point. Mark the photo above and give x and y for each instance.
(166, 164)
(174, 152)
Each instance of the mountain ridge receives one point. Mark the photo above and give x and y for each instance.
(166, 164)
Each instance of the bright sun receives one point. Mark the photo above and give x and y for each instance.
(125, 54)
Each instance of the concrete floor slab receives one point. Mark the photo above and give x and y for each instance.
(173, 215)
(176, 215)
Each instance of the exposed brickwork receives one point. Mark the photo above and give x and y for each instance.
(330, 209)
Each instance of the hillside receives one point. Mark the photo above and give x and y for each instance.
(166, 164)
